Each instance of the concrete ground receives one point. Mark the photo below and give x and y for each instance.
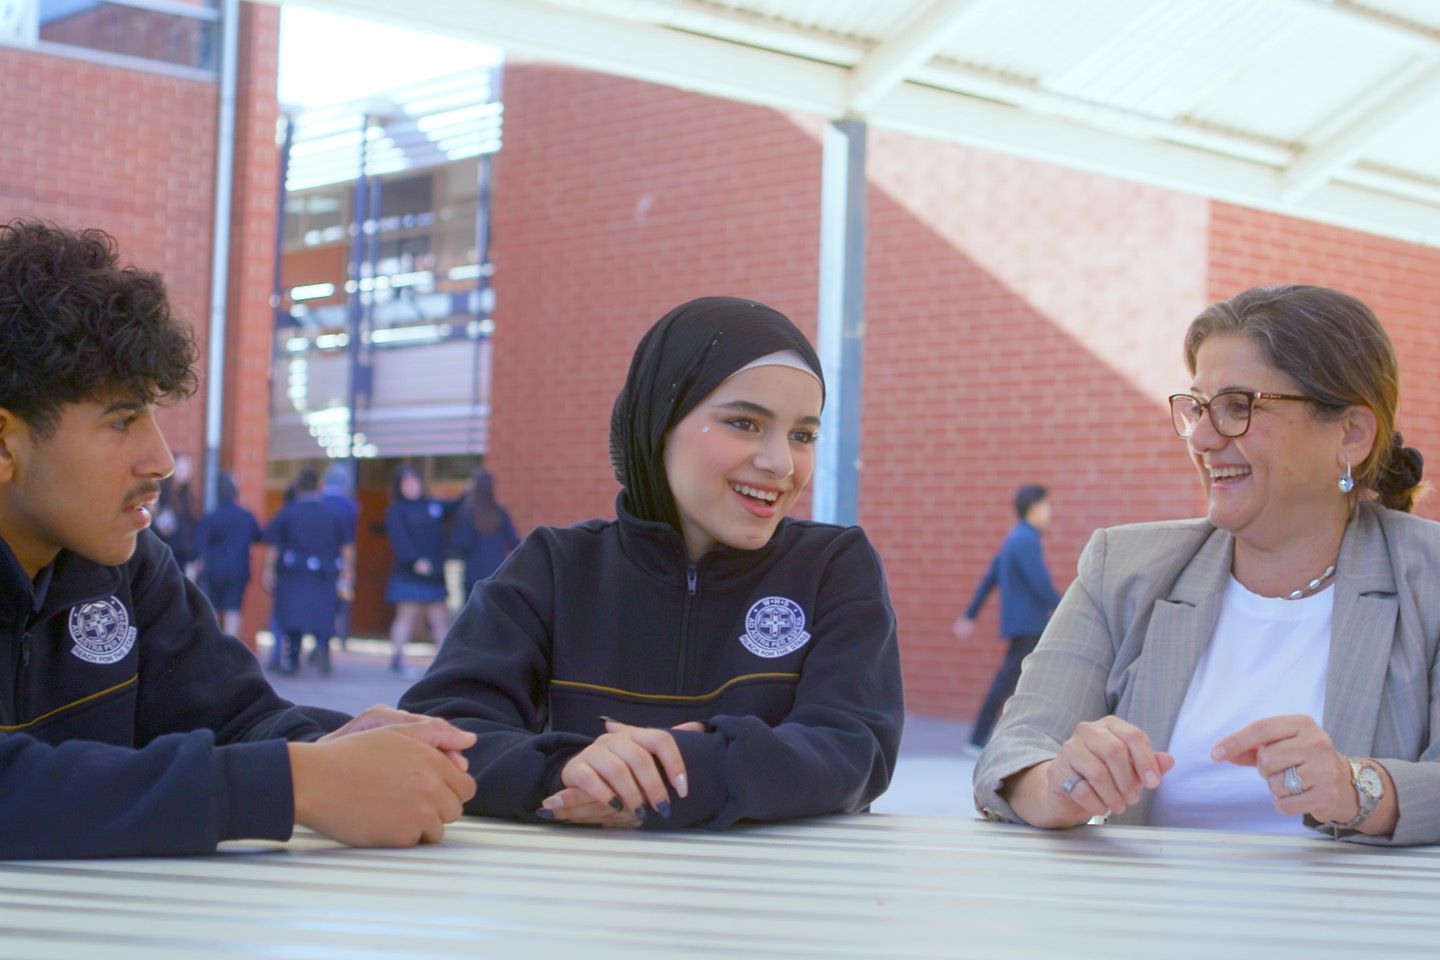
(932, 777)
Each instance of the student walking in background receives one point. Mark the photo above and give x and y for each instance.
(415, 524)
(308, 565)
(175, 515)
(339, 495)
(222, 540)
(1027, 598)
(484, 535)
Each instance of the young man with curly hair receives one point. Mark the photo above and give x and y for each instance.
(129, 724)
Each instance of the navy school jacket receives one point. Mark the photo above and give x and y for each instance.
(787, 653)
(129, 724)
(1027, 594)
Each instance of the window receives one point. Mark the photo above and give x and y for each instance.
(183, 33)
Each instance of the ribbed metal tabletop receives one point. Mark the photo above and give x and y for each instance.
(872, 886)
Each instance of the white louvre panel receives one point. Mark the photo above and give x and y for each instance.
(431, 399)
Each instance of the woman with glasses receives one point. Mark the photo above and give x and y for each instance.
(1271, 667)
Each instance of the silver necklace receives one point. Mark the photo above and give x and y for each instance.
(1313, 585)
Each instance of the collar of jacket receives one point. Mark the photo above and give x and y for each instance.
(658, 548)
(1363, 567)
(64, 582)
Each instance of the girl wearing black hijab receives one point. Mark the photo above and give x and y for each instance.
(702, 659)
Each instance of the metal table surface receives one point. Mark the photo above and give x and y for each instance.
(865, 885)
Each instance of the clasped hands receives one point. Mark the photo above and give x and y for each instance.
(620, 777)
(1106, 764)
(387, 778)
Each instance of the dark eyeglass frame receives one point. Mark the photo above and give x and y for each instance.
(1208, 410)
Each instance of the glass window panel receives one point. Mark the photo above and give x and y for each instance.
(115, 28)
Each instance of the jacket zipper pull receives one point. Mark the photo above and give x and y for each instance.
(25, 651)
(691, 577)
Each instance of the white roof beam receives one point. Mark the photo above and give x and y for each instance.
(721, 68)
(1325, 160)
(1374, 22)
(578, 38)
(887, 66)
(940, 116)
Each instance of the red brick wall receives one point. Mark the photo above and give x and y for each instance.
(133, 152)
(250, 321)
(1022, 326)
(613, 202)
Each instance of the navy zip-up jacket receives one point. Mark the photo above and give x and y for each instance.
(1027, 594)
(129, 724)
(788, 654)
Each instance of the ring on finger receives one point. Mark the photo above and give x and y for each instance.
(1293, 783)
(1068, 785)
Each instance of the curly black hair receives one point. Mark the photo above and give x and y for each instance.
(77, 326)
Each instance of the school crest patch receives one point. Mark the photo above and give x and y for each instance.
(774, 627)
(101, 631)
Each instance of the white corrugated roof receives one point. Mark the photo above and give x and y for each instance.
(1327, 109)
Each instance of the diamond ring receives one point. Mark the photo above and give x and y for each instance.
(1293, 783)
(1068, 785)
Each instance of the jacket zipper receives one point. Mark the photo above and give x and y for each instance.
(691, 583)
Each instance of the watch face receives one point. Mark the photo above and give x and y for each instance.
(1369, 781)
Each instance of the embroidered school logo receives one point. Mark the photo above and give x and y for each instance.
(101, 631)
(774, 627)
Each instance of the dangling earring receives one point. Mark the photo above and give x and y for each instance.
(1347, 481)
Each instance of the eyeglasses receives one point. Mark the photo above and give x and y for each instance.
(1229, 411)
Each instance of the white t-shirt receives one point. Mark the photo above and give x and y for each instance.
(1266, 658)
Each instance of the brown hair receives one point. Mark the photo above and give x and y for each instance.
(1335, 350)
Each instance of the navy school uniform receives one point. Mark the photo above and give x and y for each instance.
(1027, 594)
(309, 536)
(482, 552)
(788, 654)
(222, 539)
(416, 529)
(129, 724)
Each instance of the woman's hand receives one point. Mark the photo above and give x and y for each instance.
(1105, 763)
(611, 781)
(1276, 744)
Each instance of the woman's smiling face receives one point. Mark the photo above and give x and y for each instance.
(737, 463)
(1274, 482)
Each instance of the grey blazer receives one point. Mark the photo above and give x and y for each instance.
(1126, 637)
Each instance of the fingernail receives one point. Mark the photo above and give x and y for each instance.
(663, 808)
(682, 786)
(640, 813)
(1152, 779)
(554, 803)
(1132, 800)
(1218, 753)
(616, 805)
(545, 814)
(608, 719)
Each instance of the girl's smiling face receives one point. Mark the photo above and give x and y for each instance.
(737, 463)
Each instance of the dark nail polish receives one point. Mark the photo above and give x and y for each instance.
(640, 814)
(663, 808)
(546, 814)
(616, 805)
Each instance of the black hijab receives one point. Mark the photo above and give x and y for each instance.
(687, 354)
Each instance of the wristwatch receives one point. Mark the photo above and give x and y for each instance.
(1369, 790)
